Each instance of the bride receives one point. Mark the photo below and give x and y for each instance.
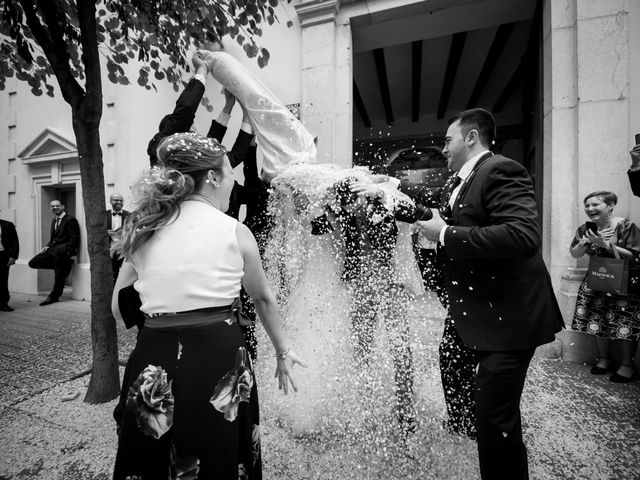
(344, 269)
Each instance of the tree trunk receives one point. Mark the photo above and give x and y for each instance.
(105, 378)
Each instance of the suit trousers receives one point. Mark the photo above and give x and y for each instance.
(499, 383)
(4, 278)
(116, 263)
(372, 298)
(457, 361)
(56, 259)
(458, 371)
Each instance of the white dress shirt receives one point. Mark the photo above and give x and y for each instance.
(464, 173)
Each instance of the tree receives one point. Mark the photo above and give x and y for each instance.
(42, 39)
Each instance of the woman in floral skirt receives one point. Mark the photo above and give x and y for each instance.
(609, 316)
(192, 404)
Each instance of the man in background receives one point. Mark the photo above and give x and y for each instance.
(9, 249)
(61, 250)
(115, 220)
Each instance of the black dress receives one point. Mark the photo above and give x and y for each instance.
(192, 404)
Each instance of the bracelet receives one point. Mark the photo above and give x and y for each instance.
(282, 355)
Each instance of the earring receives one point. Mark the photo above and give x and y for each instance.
(207, 181)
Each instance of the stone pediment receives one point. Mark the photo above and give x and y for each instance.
(49, 146)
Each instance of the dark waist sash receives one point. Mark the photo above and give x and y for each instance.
(198, 317)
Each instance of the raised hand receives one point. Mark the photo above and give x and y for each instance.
(199, 64)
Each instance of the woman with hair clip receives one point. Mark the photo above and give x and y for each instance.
(192, 405)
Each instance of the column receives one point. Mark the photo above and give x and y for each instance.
(326, 79)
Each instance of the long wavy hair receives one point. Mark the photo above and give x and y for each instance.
(184, 160)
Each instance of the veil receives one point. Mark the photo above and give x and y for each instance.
(281, 137)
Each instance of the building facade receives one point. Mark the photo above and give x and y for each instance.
(562, 76)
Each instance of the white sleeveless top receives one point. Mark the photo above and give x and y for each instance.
(194, 262)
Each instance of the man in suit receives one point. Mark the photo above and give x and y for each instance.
(9, 249)
(634, 171)
(115, 220)
(499, 289)
(61, 250)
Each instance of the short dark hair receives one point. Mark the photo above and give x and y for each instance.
(607, 197)
(480, 119)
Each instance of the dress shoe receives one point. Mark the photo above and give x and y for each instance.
(617, 378)
(48, 301)
(596, 370)
(5, 308)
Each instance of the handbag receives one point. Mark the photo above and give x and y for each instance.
(129, 303)
(608, 275)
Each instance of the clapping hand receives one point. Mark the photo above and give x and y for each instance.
(284, 368)
(597, 239)
(635, 157)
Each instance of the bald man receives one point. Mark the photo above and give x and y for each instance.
(115, 220)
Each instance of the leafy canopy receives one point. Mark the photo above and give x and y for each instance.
(148, 31)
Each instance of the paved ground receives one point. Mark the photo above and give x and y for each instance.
(577, 426)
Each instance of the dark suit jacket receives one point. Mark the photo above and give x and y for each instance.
(181, 119)
(240, 152)
(67, 234)
(240, 148)
(634, 181)
(9, 239)
(499, 289)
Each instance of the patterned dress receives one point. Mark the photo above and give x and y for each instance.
(607, 315)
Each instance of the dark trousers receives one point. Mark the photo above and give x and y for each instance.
(56, 259)
(4, 278)
(372, 299)
(499, 384)
(458, 371)
(116, 263)
(457, 361)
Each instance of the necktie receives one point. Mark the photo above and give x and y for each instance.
(57, 223)
(116, 213)
(445, 211)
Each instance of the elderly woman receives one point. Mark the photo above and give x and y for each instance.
(608, 316)
(193, 406)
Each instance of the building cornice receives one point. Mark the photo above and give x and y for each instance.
(314, 12)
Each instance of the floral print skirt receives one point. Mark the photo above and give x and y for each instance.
(607, 316)
(191, 408)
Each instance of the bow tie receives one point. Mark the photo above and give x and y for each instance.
(116, 213)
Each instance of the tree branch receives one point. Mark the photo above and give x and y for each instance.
(53, 47)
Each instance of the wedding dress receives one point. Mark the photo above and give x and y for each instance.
(306, 272)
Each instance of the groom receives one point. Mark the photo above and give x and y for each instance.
(499, 289)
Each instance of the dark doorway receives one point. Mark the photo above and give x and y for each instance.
(415, 67)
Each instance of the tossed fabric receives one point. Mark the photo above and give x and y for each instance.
(280, 136)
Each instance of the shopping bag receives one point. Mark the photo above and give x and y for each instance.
(608, 275)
